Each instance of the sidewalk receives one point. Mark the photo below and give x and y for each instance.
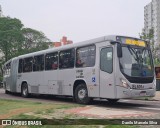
(157, 96)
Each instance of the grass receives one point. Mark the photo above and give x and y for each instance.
(37, 108)
(7, 105)
(10, 106)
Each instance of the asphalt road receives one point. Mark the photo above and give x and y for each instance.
(138, 105)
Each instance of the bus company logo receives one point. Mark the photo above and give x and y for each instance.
(93, 79)
(6, 122)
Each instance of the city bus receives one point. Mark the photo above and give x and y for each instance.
(110, 67)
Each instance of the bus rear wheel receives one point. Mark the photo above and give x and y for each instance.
(24, 90)
(81, 94)
(6, 91)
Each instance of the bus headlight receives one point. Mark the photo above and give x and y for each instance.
(124, 84)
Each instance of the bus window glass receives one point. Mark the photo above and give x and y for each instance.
(106, 60)
(51, 61)
(85, 57)
(7, 68)
(66, 58)
(27, 65)
(38, 63)
(136, 62)
(20, 66)
(4, 69)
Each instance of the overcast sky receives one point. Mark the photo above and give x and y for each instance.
(79, 20)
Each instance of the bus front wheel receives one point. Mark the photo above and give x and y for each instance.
(24, 90)
(81, 94)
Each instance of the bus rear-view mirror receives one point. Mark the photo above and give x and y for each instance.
(119, 50)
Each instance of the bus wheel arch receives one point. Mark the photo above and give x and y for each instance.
(24, 89)
(80, 92)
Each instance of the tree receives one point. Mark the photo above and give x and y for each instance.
(34, 40)
(10, 36)
(16, 40)
(154, 48)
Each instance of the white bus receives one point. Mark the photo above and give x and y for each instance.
(109, 67)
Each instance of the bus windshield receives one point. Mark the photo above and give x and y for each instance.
(136, 62)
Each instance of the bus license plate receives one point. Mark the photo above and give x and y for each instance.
(139, 86)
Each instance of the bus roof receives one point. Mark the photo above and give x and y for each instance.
(79, 44)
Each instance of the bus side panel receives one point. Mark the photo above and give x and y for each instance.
(91, 78)
(7, 82)
(50, 82)
(13, 79)
(66, 78)
(36, 82)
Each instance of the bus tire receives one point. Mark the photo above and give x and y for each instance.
(24, 90)
(6, 91)
(81, 94)
(113, 100)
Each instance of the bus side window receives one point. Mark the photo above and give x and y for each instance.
(85, 56)
(4, 69)
(66, 59)
(27, 65)
(38, 63)
(51, 61)
(8, 68)
(20, 66)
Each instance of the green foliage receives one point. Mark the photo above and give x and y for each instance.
(10, 37)
(16, 40)
(154, 48)
(34, 40)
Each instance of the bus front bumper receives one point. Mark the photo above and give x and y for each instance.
(132, 93)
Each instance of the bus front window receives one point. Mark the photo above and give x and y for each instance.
(136, 62)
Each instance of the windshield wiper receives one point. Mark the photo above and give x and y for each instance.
(131, 50)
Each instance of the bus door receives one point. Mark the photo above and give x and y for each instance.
(106, 72)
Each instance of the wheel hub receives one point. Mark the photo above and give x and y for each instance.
(24, 91)
(82, 93)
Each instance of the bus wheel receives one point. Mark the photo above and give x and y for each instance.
(24, 90)
(6, 92)
(81, 94)
(112, 100)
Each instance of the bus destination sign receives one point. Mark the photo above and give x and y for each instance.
(131, 41)
(135, 42)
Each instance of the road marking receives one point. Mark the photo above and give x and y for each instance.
(149, 108)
